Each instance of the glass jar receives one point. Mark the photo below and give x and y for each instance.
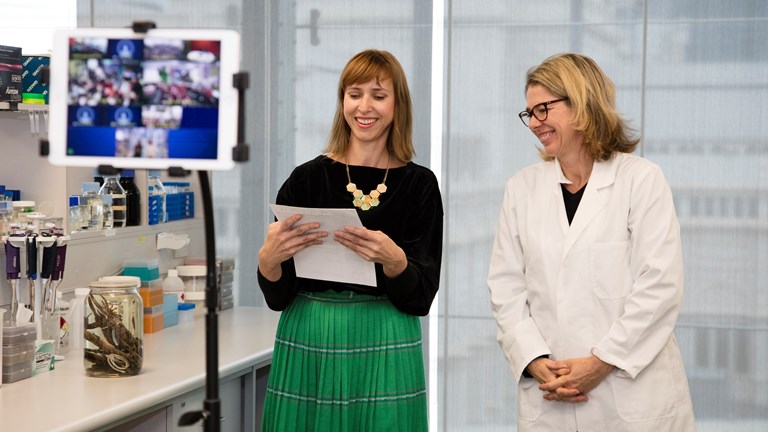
(114, 328)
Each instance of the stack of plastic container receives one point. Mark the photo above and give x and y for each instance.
(226, 276)
(156, 199)
(18, 351)
(180, 201)
(151, 291)
(170, 310)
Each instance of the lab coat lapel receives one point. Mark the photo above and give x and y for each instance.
(593, 200)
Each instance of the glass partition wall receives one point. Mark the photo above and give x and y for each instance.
(690, 76)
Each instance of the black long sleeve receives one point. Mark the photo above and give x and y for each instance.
(410, 213)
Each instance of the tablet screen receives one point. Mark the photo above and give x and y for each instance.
(144, 101)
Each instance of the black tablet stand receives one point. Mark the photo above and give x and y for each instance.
(211, 411)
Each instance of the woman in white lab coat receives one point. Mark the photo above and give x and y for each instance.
(586, 274)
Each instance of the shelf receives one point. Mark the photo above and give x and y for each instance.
(134, 231)
(6, 106)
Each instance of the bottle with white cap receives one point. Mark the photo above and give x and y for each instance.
(75, 319)
(62, 315)
(173, 284)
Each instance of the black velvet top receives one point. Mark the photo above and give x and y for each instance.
(410, 213)
(572, 201)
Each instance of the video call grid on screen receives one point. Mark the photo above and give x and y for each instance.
(154, 101)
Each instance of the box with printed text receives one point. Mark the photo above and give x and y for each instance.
(10, 74)
(34, 86)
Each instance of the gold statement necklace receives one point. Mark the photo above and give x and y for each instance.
(365, 202)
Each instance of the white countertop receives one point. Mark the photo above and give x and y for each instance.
(65, 399)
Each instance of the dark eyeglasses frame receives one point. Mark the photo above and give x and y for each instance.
(527, 114)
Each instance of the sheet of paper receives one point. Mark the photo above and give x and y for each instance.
(329, 261)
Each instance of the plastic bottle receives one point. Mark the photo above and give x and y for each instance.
(76, 214)
(109, 214)
(112, 187)
(62, 313)
(95, 212)
(50, 323)
(186, 313)
(75, 318)
(156, 199)
(132, 198)
(172, 284)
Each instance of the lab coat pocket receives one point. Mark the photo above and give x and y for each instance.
(529, 399)
(609, 269)
(651, 395)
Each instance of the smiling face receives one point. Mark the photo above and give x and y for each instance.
(369, 109)
(556, 133)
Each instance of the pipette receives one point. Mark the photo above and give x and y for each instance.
(12, 270)
(48, 303)
(32, 268)
(61, 257)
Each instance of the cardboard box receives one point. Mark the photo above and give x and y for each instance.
(10, 74)
(44, 357)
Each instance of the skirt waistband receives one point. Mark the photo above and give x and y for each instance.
(341, 297)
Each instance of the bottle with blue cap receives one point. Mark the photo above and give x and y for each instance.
(77, 213)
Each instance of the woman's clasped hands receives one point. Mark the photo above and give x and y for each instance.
(569, 380)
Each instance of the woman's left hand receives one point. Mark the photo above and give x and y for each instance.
(374, 246)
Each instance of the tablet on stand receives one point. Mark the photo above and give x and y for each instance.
(146, 98)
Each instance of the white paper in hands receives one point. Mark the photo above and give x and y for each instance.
(329, 261)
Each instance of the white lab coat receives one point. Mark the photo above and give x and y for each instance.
(610, 284)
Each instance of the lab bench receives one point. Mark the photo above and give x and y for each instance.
(171, 382)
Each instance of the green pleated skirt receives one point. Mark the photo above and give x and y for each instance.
(346, 362)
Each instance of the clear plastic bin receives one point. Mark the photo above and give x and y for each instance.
(17, 375)
(18, 334)
(18, 354)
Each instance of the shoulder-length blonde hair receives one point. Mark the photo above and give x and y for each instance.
(592, 97)
(378, 65)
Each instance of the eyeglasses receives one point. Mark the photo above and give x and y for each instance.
(539, 111)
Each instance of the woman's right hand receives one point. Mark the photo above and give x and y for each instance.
(284, 239)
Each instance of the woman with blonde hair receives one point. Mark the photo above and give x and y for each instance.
(586, 273)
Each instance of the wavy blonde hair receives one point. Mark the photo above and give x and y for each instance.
(378, 65)
(592, 98)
